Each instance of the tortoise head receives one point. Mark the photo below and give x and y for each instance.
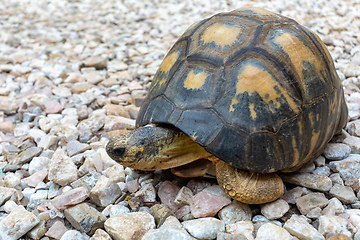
(151, 148)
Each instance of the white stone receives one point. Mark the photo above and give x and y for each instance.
(17, 223)
(275, 210)
(204, 228)
(129, 225)
(270, 231)
(329, 225)
(62, 169)
(300, 228)
(244, 227)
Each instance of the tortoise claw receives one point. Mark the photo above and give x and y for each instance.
(249, 187)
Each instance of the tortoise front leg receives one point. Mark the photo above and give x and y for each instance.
(249, 187)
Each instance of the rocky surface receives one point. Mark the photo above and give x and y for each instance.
(74, 73)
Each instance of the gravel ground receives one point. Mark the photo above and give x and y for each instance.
(73, 73)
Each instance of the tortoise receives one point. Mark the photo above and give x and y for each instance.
(240, 96)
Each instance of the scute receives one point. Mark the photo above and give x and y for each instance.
(254, 88)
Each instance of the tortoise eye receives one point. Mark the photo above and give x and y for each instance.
(119, 151)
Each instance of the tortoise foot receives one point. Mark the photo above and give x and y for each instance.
(249, 187)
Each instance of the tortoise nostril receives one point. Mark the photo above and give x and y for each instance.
(119, 151)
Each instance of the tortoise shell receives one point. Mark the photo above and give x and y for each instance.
(254, 88)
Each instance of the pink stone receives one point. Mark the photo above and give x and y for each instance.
(71, 197)
(167, 193)
(181, 212)
(206, 204)
(37, 177)
(132, 186)
(53, 107)
(56, 230)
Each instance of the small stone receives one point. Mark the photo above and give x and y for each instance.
(12, 180)
(4, 91)
(75, 147)
(80, 87)
(17, 223)
(170, 230)
(88, 181)
(275, 210)
(314, 213)
(349, 168)
(354, 144)
(117, 110)
(300, 228)
(184, 196)
(116, 173)
(132, 186)
(116, 209)
(244, 227)
(53, 107)
(334, 207)
(93, 77)
(293, 194)
(337, 151)
(100, 235)
(94, 123)
(71, 197)
(350, 70)
(234, 212)
(57, 230)
(135, 203)
(105, 192)
(147, 193)
(129, 225)
(340, 237)
(354, 184)
(336, 179)
(205, 204)
(309, 201)
(167, 193)
(134, 85)
(160, 212)
(197, 185)
(270, 231)
(27, 155)
(35, 178)
(97, 62)
(117, 122)
(216, 190)
(7, 194)
(46, 123)
(204, 228)
(353, 128)
(308, 180)
(344, 193)
(228, 236)
(320, 161)
(69, 132)
(21, 130)
(330, 225)
(62, 92)
(85, 218)
(48, 142)
(38, 231)
(322, 171)
(6, 127)
(62, 169)
(184, 212)
(39, 99)
(9, 206)
(8, 105)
